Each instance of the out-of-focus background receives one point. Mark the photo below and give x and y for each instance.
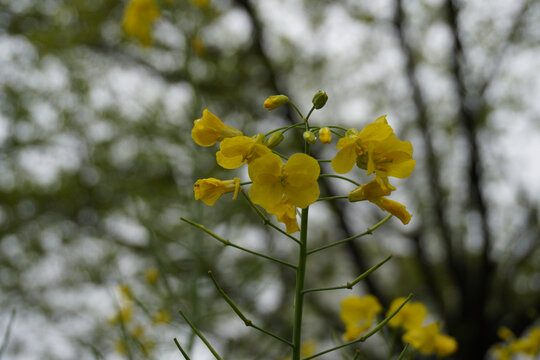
(97, 165)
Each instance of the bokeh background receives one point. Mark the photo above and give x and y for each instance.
(97, 165)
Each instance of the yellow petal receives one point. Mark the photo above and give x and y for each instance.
(445, 345)
(303, 196)
(394, 208)
(376, 131)
(344, 160)
(301, 170)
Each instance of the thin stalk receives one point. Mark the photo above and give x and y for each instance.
(338, 127)
(200, 335)
(235, 308)
(350, 285)
(297, 109)
(284, 128)
(229, 243)
(266, 221)
(356, 355)
(181, 350)
(339, 177)
(7, 333)
(280, 155)
(367, 336)
(332, 197)
(300, 277)
(369, 231)
(309, 113)
(402, 355)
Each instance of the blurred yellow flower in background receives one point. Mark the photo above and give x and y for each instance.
(139, 16)
(429, 340)
(410, 316)
(358, 314)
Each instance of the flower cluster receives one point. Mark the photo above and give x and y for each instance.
(528, 345)
(358, 314)
(283, 187)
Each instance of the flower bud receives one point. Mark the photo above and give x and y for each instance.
(259, 139)
(325, 135)
(352, 132)
(275, 101)
(275, 139)
(319, 99)
(309, 137)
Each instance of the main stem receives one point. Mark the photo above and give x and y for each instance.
(299, 296)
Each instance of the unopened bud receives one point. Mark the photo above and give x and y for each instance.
(259, 139)
(275, 101)
(325, 135)
(309, 137)
(275, 139)
(319, 99)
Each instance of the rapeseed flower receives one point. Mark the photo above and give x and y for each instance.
(285, 213)
(210, 190)
(209, 129)
(358, 313)
(375, 149)
(428, 340)
(376, 191)
(528, 345)
(410, 316)
(139, 16)
(238, 150)
(273, 181)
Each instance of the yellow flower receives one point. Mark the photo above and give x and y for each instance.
(375, 192)
(428, 340)
(151, 275)
(375, 149)
(210, 190)
(502, 353)
(308, 349)
(162, 316)
(198, 46)
(529, 345)
(138, 18)
(296, 180)
(358, 313)
(236, 151)
(285, 213)
(410, 316)
(209, 129)
(505, 333)
(137, 332)
(275, 101)
(124, 315)
(325, 136)
(125, 292)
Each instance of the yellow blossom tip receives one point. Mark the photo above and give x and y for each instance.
(275, 101)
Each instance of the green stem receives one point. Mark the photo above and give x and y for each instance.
(365, 337)
(200, 335)
(402, 355)
(285, 128)
(339, 177)
(309, 114)
(350, 285)
(181, 350)
(356, 355)
(300, 277)
(338, 127)
(229, 243)
(297, 109)
(369, 231)
(266, 221)
(235, 308)
(332, 197)
(280, 155)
